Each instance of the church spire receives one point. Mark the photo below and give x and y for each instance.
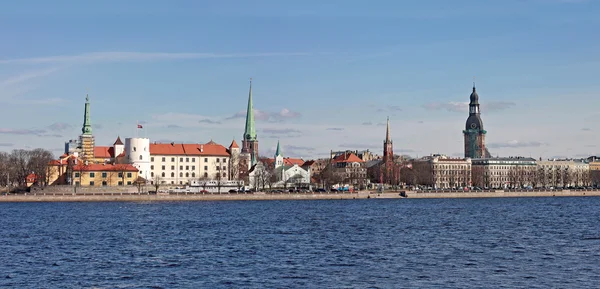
(278, 150)
(87, 125)
(250, 131)
(387, 132)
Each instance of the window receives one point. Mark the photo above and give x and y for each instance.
(181, 160)
(92, 175)
(152, 159)
(152, 167)
(172, 182)
(163, 159)
(129, 175)
(181, 168)
(77, 175)
(163, 168)
(91, 183)
(133, 148)
(206, 160)
(224, 160)
(120, 183)
(163, 174)
(193, 175)
(172, 168)
(181, 175)
(172, 159)
(193, 160)
(172, 175)
(193, 168)
(77, 184)
(181, 182)
(104, 183)
(206, 175)
(187, 160)
(104, 174)
(152, 174)
(217, 160)
(129, 183)
(218, 168)
(140, 157)
(187, 168)
(206, 168)
(120, 175)
(224, 168)
(224, 175)
(187, 175)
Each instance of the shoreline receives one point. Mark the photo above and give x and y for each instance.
(116, 197)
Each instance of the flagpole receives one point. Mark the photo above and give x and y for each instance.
(137, 123)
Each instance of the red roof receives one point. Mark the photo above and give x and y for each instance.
(104, 152)
(31, 178)
(209, 149)
(347, 158)
(234, 145)
(286, 161)
(105, 167)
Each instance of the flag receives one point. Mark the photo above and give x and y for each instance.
(140, 126)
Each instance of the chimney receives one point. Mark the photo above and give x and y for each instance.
(201, 148)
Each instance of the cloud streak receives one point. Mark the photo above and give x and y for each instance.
(120, 56)
(515, 144)
(262, 115)
(453, 106)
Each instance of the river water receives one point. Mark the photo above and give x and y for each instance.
(398, 243)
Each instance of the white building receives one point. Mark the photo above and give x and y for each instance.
(179, 164)
(137, 153)
(282, 174)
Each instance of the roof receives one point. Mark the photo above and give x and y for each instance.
(234, 145)
(347, 158)
(104, 152)
(286, 161)
(308, 163)
(208, 149)
(118, 141)
(105, 167)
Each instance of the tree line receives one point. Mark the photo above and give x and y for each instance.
(16, 165)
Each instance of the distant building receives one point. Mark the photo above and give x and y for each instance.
(442, 172)
(509, 172)
(349, 169)
(474, 133)
(564, 173)
(249, 152)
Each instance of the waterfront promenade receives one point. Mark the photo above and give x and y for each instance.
(147, 197)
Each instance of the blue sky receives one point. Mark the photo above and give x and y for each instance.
(326, 73)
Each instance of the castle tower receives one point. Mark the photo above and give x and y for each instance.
(118, 147)
(86, 139)
(278, 156)
(137, 153)
(250, 141)
(388, 147)
(474, 133)
(235, 170)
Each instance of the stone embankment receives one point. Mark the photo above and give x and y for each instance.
(131, 194)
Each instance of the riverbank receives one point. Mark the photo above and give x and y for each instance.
(145, 197)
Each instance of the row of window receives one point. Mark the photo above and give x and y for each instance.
(187, 175)
(187, 168)
(187, 160)
(104, 175)
(104, 183)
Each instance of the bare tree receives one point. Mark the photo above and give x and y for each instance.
(234, 167)
(156, 182)
(4, 169)
(567, 177)
(19, 159)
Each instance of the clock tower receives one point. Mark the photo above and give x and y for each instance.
(474, 133)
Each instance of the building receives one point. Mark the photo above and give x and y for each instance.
(179, 164)
(442, 172)
(365, 155)
(249, 152)
(349, 169)
(594, 166)
(73, 170)
(498, 173)
(279, 172)
(385, 170)
(474, 133)
(564, 173)
(86, 139)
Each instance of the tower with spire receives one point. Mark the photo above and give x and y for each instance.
(388, 147)
(278, 156)
(250, 140)
(86, 139)
(474, 133)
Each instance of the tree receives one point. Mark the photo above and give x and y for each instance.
(19, 159)
(156, 182)
(234, 166)
(4, 169)
(218, 176)
(567, 177)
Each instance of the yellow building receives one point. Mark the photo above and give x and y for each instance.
(72, 171)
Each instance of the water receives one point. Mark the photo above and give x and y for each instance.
(402, 243)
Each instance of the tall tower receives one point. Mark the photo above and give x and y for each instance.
(388, 147)
(86, 139)
(474, 132)
(250, 141)
(278, 157)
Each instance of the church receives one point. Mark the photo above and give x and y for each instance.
(279, 172)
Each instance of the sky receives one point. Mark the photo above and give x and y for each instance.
(326, 74)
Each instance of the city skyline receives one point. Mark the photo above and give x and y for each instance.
(325, 77)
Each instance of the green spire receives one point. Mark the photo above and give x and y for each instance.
(87, 125)
(250, 131)
(278, 151)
